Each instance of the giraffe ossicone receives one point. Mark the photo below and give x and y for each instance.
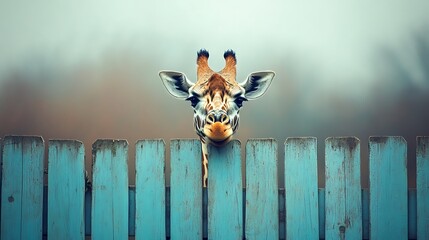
(216, 98)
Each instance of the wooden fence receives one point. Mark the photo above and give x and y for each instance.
(151, 210)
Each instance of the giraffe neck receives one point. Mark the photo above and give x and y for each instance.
(205, 161)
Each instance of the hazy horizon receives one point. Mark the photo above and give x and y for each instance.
(89, 70)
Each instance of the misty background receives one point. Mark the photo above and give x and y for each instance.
(86, 70)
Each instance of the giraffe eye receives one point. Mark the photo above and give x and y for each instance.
(239, 101)
(194, 100)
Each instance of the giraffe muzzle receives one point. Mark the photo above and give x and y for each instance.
(217, 127)
(217, 116)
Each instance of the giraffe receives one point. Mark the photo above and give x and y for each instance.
(216, 98)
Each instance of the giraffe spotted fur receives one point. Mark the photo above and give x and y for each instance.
(216, 98)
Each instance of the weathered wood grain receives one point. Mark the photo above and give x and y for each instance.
(186, 190)
(110, 190)
(262, 202)
(66, 190)
(422, 187)
(225, 197)
(22, 188)
(388, 188)
(150, 189)
(301, 188)
(394, 212)
(343, 209)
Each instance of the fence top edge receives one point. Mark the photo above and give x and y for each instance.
(252, 142)
(300, 139)
(197, 141)
(422, 138)
(109, 143)
(350, 142)
(184, 140)
(262, 139)
(374, 138)
(384, 139)
(141, 141)
(65, 141)
(23, 138)
(341, 138)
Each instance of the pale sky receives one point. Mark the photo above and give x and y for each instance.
(338, 39)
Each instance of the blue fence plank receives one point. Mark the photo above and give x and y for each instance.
(66, 190)
(423, 187)
(343, 209)
(225, 192)
(22, 188)
(301, 188)
(20, 172)
(150, 189)
(186, 190)
(388, 188)
(110, 190)
(262, 202)
(282, 212)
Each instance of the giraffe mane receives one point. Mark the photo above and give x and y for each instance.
(216, 83)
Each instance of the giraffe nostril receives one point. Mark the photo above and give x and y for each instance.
(217, 117)
(210, 119)
(224, 119)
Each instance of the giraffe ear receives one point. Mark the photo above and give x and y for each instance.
(257, 84)
(176, 83)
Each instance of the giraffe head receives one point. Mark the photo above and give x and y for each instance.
(216, 97)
